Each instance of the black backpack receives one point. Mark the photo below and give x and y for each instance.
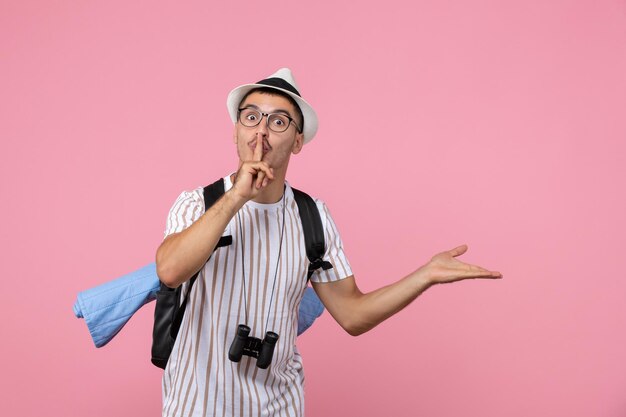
(169, 311)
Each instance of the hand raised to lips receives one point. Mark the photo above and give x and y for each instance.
(253, 175)
(261, 181)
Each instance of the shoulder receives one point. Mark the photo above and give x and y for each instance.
(322, 208)
(190, 198)
(187, 208)
(290, 193)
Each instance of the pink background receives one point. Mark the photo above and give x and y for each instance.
(500, 124)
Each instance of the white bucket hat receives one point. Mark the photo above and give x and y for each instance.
(282, 80)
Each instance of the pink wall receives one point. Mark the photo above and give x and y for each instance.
(500, 124)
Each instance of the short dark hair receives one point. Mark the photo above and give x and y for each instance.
(274, 92)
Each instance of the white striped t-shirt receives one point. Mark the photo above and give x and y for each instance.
(199, 379)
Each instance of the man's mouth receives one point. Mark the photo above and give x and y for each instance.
(266, 146)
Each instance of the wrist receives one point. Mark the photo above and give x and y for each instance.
(234, 200)
(423, 279)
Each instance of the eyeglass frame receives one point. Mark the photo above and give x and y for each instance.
(291, 119)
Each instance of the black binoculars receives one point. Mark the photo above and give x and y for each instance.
(243, 344)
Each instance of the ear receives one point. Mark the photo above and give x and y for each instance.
(235, 134)
(298, 143)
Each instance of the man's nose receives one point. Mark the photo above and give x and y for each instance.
(262, 128)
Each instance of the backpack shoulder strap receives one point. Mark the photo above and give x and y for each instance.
(212, 193)
(313, 231)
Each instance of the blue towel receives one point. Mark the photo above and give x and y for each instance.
(108, 307)
(310, 308)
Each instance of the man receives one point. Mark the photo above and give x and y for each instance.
(259, 279)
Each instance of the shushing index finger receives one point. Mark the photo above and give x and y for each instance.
(258, 148)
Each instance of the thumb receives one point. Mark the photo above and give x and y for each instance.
(459, 250)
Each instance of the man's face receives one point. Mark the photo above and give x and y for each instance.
(277, 146)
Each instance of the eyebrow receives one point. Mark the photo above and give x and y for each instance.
(273, 111)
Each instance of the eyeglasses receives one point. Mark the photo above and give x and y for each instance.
(277, 122)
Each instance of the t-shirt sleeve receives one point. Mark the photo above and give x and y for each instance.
(334, 251)
(187, 208)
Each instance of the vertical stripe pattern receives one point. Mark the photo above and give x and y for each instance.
(199, 379)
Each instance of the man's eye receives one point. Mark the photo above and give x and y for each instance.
(252, 117)
(280, 121)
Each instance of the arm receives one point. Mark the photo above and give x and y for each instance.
(358, 313)
(182, 254)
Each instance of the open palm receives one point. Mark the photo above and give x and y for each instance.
(444, 267)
